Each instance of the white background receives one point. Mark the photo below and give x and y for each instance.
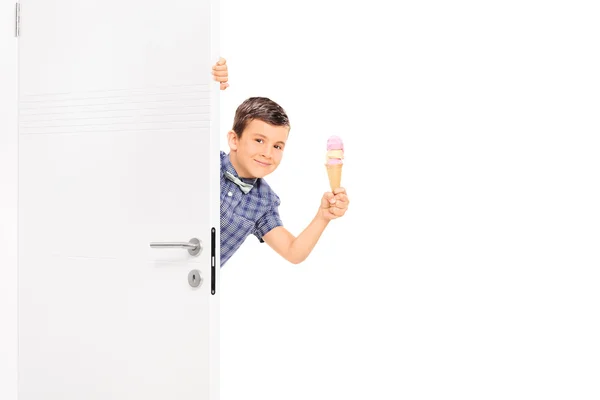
(467, 266)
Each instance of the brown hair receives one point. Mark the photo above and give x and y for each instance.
(260, 108)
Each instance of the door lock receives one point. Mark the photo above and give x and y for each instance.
(194, 278)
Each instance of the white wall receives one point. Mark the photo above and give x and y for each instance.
(467, 265)
(472, 135)
(8, 204)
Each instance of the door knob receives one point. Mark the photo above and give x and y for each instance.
(194, 246)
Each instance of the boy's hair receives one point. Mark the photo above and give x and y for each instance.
(260, 108)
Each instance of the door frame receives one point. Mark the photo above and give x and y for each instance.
(9, 152)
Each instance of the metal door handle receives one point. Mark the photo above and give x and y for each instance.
(194, 247)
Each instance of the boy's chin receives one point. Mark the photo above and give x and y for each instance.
(260, 174)
(257, 176)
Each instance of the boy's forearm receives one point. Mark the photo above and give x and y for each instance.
(306, 241)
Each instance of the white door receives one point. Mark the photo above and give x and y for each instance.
(118, 148)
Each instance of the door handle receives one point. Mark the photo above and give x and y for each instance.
(194, 246)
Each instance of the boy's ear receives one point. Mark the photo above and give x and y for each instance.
(232, 139)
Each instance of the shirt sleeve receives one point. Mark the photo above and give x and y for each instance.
(270, 220)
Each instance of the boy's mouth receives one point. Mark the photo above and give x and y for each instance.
(262, 164)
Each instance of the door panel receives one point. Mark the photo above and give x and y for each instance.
(118, 147)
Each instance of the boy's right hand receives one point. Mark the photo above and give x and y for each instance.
(334, 205)
(220, 73)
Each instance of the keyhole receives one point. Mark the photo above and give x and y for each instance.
(194, 278)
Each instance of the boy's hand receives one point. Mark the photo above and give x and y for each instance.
(219, 71)
(334, 205)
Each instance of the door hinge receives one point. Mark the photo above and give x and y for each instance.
(17, 19)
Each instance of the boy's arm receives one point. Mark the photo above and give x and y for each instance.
(297, 249)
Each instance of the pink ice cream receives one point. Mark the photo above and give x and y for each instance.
(335, 150)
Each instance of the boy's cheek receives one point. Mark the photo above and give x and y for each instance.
(278, 157)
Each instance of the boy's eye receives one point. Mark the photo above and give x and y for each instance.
(259, 140)
(278, 146)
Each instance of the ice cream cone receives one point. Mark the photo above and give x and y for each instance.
(333, 161)
(334, 171)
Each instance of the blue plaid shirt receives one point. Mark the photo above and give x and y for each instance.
(242, 214)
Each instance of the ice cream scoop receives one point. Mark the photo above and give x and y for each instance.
(335, 150)
(335, 143)
(333, 161)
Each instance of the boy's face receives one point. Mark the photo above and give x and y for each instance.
(260, 149)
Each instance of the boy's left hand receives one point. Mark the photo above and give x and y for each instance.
(334, 205)
(220, 73)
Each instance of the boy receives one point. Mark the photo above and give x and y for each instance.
(248, 204)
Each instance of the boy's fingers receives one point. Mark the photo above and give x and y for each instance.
(341, 205)
(342, 197)
(338, 212)
(327, 199)
(219, 67)
(220, 73)
(339, 190)
(221, 61)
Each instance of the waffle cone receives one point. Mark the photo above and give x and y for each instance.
(335, 175)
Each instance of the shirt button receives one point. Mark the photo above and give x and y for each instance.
(229, 194)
